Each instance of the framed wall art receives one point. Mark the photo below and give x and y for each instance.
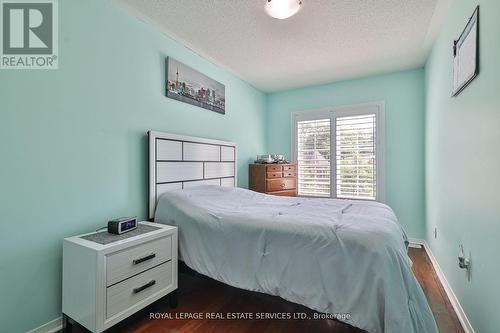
(187, 85)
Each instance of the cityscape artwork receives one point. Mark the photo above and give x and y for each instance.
(190, 86)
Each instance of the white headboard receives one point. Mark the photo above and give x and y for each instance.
(178, 161)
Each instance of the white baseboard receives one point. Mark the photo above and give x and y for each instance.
(462, 317)
(50, 327)
(416, 243)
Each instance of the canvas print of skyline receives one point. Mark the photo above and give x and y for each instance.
(190, 86)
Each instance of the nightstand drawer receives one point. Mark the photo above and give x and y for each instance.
(280, 184)
(124, 264)
(126, 294)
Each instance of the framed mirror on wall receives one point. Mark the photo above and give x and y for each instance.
(466, 55)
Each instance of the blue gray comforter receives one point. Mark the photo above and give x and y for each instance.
(341, 257)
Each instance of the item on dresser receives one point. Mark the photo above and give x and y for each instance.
(270, 158)
(276, 179)
(264, 159)
(108, 277)
(279, 158)
(122, 224)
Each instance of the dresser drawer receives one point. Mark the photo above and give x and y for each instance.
(273, 168)
(289, 168)
(280, 184)
(286, 193)
(274, 174)
(126, 294)
(123, 264)
(289, 173)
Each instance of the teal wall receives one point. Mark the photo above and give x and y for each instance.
(403, 94)
(463, 164)
(73, 150)
(82, 128)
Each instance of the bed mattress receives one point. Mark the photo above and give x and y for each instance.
(346, 258)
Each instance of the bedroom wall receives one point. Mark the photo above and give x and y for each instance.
(403, 93)
(462, 164)
(73, 150)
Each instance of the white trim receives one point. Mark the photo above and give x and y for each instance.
(416, 242)
(52, 326)
(415, 245)
(435, 24)
(339, 111)
(134, 12)
(462, 317)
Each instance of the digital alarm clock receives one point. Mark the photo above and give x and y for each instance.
(122, 224)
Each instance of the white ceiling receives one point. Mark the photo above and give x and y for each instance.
(328, 40)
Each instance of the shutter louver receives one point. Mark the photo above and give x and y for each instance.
(355, 157)
(313, 157)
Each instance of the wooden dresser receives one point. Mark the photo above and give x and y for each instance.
(276, 179)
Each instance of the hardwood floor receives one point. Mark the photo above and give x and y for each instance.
(201, 295)
(441, 307)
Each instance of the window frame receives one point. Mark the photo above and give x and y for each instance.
(332, 113)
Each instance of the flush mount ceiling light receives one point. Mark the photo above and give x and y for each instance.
(282, 9)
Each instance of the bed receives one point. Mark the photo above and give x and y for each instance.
(344, 258)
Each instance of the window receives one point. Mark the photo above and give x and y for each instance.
(313, 157)
(339, 152)
(355, 157)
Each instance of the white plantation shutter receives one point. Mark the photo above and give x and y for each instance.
(355, 157)
(313, 157)
(340, 152)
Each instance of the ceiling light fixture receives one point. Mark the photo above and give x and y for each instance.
(282, 9)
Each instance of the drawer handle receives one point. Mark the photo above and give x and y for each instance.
(282, 185)
(146, 258)
(146, 286)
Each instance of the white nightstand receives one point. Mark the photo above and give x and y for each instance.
(105, 282)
